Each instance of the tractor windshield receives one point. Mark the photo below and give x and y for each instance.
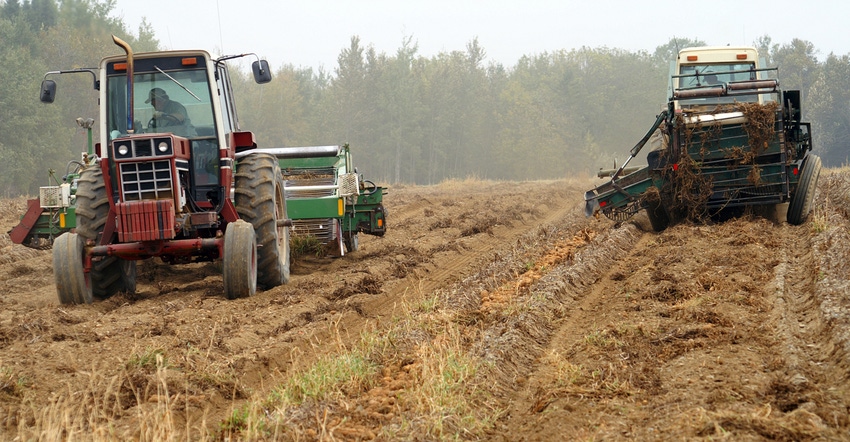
(706, 75)
(709, 74)
(164, 100)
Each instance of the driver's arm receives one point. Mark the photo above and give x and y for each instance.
(177, 111)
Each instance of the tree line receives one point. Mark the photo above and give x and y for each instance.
(408, 118)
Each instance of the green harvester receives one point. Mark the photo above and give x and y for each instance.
(327, 199)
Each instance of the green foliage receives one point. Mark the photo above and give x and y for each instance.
(48, 35)
(409, 118)
(829, 110)
(424, 120)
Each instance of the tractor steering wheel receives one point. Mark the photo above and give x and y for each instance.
(165, 120)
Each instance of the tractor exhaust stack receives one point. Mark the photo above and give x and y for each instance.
(127, 49)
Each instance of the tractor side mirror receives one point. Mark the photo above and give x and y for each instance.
(262, 74)
(48, 91)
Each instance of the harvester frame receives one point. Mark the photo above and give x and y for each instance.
(328, 200)
(721, 144)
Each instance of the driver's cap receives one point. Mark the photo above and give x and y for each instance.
(157, 93)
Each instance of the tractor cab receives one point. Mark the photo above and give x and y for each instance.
(706, 77)
(178, 95)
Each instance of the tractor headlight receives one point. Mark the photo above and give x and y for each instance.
(163, 146)
(123, 150)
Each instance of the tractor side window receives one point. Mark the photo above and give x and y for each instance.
(205, 162)
(117, 109)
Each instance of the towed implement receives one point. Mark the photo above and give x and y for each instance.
(729, 138)
(54, 211)
(327, 199)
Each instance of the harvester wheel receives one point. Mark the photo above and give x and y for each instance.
(259, 200)
(109, 274)
(801, 201)
(240, 260)
(73, 285)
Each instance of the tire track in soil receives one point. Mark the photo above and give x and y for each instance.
(578, 288)
(371, 310)
(831, 265)
(788, 379)
(320, 326)
(816, 368)
(451, 269)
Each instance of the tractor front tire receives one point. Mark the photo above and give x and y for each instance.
(73, 285)
(260, 200)
(240, 260)
(109, 274)
(803, 198)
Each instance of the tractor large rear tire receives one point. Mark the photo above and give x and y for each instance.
(240, 260)
(109, 274)
(73, 285)
(803, 198)
(259, 200)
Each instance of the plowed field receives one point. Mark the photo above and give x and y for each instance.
(489, 311)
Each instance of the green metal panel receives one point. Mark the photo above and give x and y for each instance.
(48, 222)
(307, 163)
(308, 208)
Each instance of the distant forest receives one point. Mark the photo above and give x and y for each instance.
(408, 118)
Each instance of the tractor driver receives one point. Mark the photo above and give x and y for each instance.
(166, 112)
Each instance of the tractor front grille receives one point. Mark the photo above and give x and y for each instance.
(150, 180)
(145, 220)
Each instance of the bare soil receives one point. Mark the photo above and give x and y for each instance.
(560, 327)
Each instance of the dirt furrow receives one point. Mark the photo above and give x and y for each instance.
(498, 301)
(453, 268)
(678, 339)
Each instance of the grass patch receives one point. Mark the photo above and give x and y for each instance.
(329, 377)
(820, 217)
(602, 339)
(146, 360)
(304, 245)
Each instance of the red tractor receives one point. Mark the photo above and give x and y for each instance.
(172, 188)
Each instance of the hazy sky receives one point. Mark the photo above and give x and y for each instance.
(311, 33)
